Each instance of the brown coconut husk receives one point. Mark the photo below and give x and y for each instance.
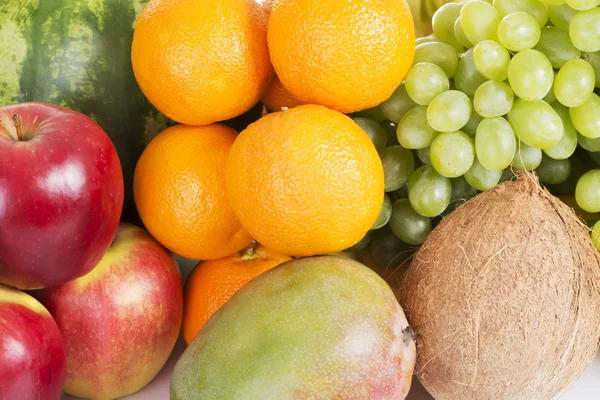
(504, 297)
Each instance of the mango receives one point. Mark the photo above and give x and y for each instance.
(315, 328)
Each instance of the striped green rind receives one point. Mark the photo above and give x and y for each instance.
(77, 53)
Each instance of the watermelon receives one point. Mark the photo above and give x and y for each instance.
(77, 54)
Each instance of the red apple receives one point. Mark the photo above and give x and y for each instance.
(32, 354)
(120, 322)
(61, 195)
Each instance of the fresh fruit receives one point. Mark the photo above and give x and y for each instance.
(61, 195)
(398, 163)
(119, 322)
(521, 91)
(518, 31)
(277, 97)
(452, 153)
(374, 130)
(32, 360)
(587, 192)
(179, 189)
(482, 269)
(287, 335)
(76, 54)
(428, 191)
(305, 181)
(346, 55)
(212, 283)
(201, 62)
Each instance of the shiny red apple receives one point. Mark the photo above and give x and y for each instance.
(120, 322)
(61, 195)
(32, 354)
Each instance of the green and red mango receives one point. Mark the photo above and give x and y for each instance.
(313, 328)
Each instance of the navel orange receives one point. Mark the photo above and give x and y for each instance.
(179, 190)
(348, 55)
(201, 61)
(305, 181)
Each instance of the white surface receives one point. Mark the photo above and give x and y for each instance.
(587, 388)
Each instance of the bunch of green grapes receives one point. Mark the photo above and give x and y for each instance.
(502, 86)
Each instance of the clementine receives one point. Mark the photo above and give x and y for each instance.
(212, 283)
(179, 190)
(348, 55)
(201, 61)
(305, 181)
(277, 97)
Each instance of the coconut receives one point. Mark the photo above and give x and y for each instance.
(504, 297)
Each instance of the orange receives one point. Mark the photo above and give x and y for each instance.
(276, 97)
(179, 190)
(212, 283)
(348, 55)
(305, 181)
(201, 61)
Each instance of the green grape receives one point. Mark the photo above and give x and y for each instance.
(530, 75)
(471, 127)
(424, 81)
(410, 226)
(390, 130)
(596, 235)
(481, 178)
(495, 143)
(533, 7)
(585, 30)
(423, 155)
(449, 111)
(459, 34)
(375, 132)
(561, 16)
(452, 153)
(426, 39)
(594, 60)
(591, 145)
(526, 157)
(493, 99)
(413, 130)
(582, 4)
(398, 164)
(441, 54)
(461, 189)
(574, 83)
(536, 123)
(398, 104)
(491, 60)
(384, 213)
(518, 31)
(363, 243)
(553, 172)
(568, 143)
(479, 20)
(556, 44)
(467, 79)
(587, 191)
(429, 192)
(586, 117)
(443, 23)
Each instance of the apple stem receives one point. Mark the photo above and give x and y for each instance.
(18, 128)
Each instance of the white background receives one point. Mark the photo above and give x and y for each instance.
(587, 388)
